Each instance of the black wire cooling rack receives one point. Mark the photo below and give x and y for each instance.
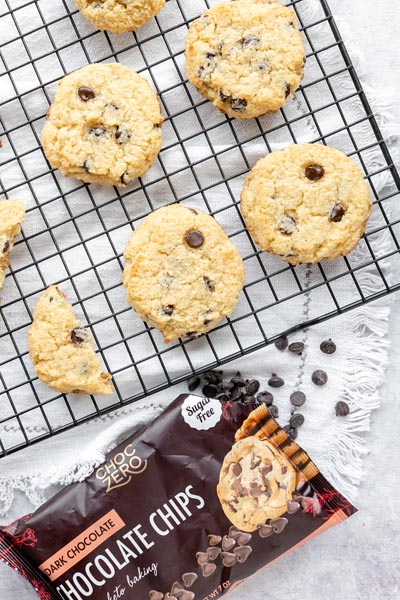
(74, 234)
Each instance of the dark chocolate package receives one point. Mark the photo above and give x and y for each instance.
(186, 508)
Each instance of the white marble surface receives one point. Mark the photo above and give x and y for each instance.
(357, 560)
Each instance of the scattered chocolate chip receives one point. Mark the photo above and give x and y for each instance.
(319, 377)
(210, 55)
(122, 136)
(328, 347)
(248, 399)
(282, 343)
(208, 569)
(264, 530)
(337, 213)
(293, 506)
(86, 93)
(275, 381)
(238, 380)
(228, 543)
(126, 178)
(297, 348)
(274, 411)
(213, 540)
(98, 131)
(293, 433)
(223, 96)
(202, 558)
(79, 336)
(296, 421)
(237, 469)
(265, 398)
(209, 285)
(288, 90)
(209, 390)
(252, 386)
(168, 310)
(153, 595)
(278, 525)
(194, 384)
(297, 398)
(157, 125)
(235, 395)
(228, 559)
(189, 579)
(286, 225)
(238, 105)
(342, 409)
(214, 377)
(194, 239)
(243, 553)
(213, 552)
(314, 172)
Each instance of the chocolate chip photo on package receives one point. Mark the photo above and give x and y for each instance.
(185, 509)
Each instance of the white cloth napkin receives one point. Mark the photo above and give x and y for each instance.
(355, 371)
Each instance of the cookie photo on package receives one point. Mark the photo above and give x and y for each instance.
(184, 509)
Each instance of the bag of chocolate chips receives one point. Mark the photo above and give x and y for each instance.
(186, 508)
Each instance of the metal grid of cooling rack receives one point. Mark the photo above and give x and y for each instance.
(74, 234)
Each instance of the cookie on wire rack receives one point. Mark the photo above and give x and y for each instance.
(104, 125)
(12, 213)
(119, 16)
(246, 56)
(306, 203)
(61, 349)
(182, 273)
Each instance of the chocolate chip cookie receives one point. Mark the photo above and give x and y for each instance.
(104, 125)
(256, 482)
(306, 203)
(182, 273)
(12, 213)
(119, 15)
(61, 349)
(246, 56)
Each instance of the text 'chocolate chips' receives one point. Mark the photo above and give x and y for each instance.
(86, 93)
(342, 409)
(314, 172)
(194, 238)
(337, 213)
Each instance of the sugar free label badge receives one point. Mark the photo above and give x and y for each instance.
(201, 413)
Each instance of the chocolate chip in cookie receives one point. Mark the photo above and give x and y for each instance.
(79, 336)
(314, 172)
(86, 93)
(337, 213)
(194, 239)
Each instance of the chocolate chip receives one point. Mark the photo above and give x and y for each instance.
(243, 553)
(98, 131)
(243, 538)
(288, 90)
(264, 530)
(194, 384)
(265, 398)
(235, 395)
(214, 377)
(122, 136)
(214, 540)
(237, 470)
(314, 172)
(210, 55)
(247, 41)
(194, 239)
(297, 398)
(274, 411)
(238, 105)
(248, 399)
(209, 390)
(252, 386)
(337, 213)
(228, 559)
(153, 595)
(208, 284)
(223, 96)
(286, 225)
(86, 93)
(292, 433)
(176, 587)
(282, 343)
(189, 579)
(157, 125)
(342, 409)
(275, 381)
(202, 558)
(328, 347)
(6, 247)
(208, 569)
(278, 525)
(168, 310)
(228, 543)
(87, 165)
(297, 420)
(293, 506)
(185, 595)
(319, 377)
(255, 491)
(79, 336)
(214, 552)
(238, 380)
(297, 348)
(126, 178)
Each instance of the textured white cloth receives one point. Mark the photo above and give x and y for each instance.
(355, 371)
